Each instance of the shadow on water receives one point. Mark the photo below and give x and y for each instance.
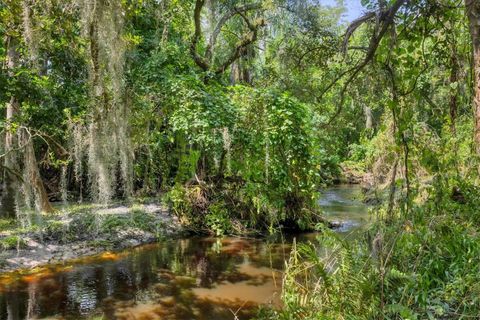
(194, 278)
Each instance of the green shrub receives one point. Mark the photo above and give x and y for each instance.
(6, 224)
(12, 242)
(218, 220)
(54, 230)
(144, 221)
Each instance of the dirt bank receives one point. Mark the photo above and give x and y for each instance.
(83, 231)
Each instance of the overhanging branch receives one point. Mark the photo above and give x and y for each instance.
(206, 62)
(223, 20)
(383, 24)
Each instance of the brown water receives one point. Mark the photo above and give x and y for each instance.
(194, 278)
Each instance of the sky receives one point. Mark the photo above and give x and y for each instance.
(354, 8)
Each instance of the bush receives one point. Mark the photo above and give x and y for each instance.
(260, 166)
(12, 242)
(422, 265)
(218, 219)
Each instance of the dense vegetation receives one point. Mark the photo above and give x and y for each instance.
(235, 114)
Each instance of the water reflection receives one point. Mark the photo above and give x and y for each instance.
(343, 204)
(200, 278)
(195, 278)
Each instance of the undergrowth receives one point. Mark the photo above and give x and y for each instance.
(420, 264)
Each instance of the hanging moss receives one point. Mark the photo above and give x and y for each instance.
(107, 140)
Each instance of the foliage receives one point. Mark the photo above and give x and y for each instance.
(423, 266)
(12, 242)
(255, 147)
(6, 224)
(127, 95)
(263, 162)
(218, 219)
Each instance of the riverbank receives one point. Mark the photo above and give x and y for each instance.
(79, 231)
(192, 277)
(83, 230)
(417, 264)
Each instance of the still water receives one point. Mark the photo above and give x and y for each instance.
(194, 278)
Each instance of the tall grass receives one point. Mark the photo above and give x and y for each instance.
(421, 265)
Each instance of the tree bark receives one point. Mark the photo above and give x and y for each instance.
(10, 171)
(34, 178)
(240, 69)
(368, 117)
(453, 95)
(473, 14)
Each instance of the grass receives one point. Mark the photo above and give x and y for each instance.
(424, 264)
(7, 224)
(12, 242)
(82, 222)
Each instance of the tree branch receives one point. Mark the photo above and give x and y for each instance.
(354, 26)
(224, 19)
(205, 63)
(247, 40)
(201, 62)
(386, 19)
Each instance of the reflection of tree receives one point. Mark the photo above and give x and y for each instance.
(155, 274)
(13, 307)
(32, 290)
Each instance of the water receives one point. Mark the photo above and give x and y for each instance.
(194, 278)
(343, 204)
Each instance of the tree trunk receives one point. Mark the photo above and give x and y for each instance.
(453, 95)
(12, 157)
(368, 117)
(235, 74)
(41, 197)
(10, 170)
(240, 71)
(473, 14)
(35, 179)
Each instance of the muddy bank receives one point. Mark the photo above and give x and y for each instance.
(84, 231)
(87, 230)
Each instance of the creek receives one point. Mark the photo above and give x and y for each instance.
(192, 278)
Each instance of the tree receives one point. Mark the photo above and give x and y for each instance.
(11, 175)
(19, 149)
(473, 14)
